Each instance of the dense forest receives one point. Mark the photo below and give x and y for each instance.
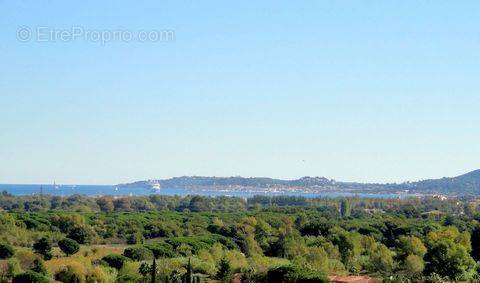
(225, 239)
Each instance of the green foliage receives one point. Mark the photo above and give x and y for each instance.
(345, 209)
(138, 253)
(44, 247)
(80, 234)
(68, 246)
(189, 273)
(115, 260)
(30, 277)
(161, 249)
(294, 274)
(411, 245)
(39, 267)
(448, 259)
(144, 269)
(13, 268)
(135, 238)
(413, 266)
(6, 251)
(390, 239)
(68, 275)
(224, 273)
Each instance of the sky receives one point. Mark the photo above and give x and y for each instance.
(369, 91)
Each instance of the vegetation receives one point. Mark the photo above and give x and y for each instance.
(6, 251)
(43, 247)
(30, 277)
(200, 239)
(68, 246)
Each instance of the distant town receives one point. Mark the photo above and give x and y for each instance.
(464, 185)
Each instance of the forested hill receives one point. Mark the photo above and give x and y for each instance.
(194, 181)
(466, 184)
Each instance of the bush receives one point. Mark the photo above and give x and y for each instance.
(43, 247)
(6, 251)
(136, 238)
(67, 275)
(161, 249)
(39, 267)
(138, 253)
(13, 267)
(295, 274)
(115, 260)
(99, 275)
(79, 234)
(69, 246)
(30, 277)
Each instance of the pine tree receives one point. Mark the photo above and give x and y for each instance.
(345, 208)
(188, 276)
(224, 273)
(154, 270)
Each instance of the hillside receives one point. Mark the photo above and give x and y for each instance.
(467, 184)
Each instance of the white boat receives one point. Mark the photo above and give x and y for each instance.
(156, 186)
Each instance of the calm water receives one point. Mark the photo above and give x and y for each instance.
(98, 190)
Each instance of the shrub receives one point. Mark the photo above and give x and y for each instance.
(79, 234)
(39, 266)
(130, 270)
(138, 253)
(115, 260)
(67, 275)
(43, 247)
(69, 246)
(13, 267)
(6, 251)
(26, 258)
(136, 238)
(161, 249)
(30, 277)
(99, 275)
(293, 273)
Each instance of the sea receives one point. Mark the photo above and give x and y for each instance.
(111, 190)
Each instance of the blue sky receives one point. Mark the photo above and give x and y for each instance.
(353, 90)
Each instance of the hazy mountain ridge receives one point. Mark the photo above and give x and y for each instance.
(461, 185)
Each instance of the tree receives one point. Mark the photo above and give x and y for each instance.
(135, 238)
(105, 204)
(413, 266)
(30, 277)
(138, 253)
(345, 209)
(411, 245)
(43, 247)
(153, 271)
(188, 275)
(294, 274)
(144, 269)
(68, 246)
(79, 234)
(224, 273)
(115, 260)
(6, 251)
(476, 243)
(381, 260)
(448, 259)
(67, 275)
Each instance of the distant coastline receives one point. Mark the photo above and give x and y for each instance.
(467, 184)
